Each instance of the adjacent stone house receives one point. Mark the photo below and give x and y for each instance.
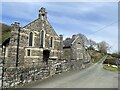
(37, 42)
(74, 51)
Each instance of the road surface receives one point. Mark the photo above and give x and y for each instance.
(93, 77)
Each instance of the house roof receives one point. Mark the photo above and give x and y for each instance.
(117, 61)
(70, 41)
(67, 42)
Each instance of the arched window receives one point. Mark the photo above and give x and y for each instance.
(42, 39)
(42, 17)
(51, 41)
(30, 38)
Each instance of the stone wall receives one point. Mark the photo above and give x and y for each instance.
(1, 55)
(18, 76)
(67, 53)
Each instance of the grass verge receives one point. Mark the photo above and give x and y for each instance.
(110, 68)
(97, 59)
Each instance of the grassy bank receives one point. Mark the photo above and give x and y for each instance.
(97, 59)
(110, 68)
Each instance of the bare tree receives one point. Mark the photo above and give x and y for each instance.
(103, 47)
(91, 44)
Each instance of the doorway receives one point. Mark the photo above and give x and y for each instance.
(46, 54)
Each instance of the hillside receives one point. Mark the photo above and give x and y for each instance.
(5, 32)
(95, 55)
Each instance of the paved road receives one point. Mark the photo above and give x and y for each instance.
(92, 77)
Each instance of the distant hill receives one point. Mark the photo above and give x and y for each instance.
(5, 32)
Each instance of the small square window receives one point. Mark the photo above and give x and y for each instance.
(28, 52)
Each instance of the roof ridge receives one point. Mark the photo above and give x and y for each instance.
(51, 27)
(31, 22)
(75, 39)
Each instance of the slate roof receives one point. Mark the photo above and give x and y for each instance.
(117, 61)
(68, 42)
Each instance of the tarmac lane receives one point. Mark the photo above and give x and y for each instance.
(92, 77)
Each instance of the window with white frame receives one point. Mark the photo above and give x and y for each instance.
(30, 39)
(42, 39)
(28, 52)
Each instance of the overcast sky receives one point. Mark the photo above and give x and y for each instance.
(97, 20)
